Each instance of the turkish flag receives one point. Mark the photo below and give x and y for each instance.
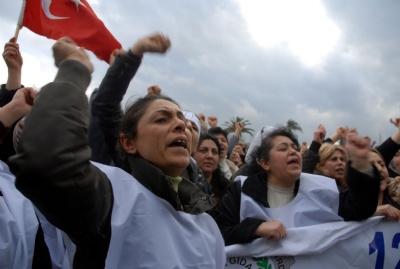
(72, 18)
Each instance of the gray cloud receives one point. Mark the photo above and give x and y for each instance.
(216, 67)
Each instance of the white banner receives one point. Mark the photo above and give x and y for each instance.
(369, 244)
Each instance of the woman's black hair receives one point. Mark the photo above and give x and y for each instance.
(129, 124)
(262, 153)
(211, 137)
(217, 130)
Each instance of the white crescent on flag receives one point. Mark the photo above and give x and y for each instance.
(46, 9)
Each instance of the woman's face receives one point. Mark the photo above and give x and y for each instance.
(335, 166)
(162, 137)
(377, 161)
(235, 158)
(207, 157)
(284, 164)
(396, 162)
(223, 143)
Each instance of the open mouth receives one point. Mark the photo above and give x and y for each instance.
(179, 143)
(294, 162)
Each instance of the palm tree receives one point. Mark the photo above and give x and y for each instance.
(292, 126)
(231, 126)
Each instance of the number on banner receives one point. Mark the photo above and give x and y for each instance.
(378, 245)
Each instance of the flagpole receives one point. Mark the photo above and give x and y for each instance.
(20, 18)
(17, 32)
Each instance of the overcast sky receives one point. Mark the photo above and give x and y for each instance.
(334, 62)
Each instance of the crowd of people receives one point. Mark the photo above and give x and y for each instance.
(86, 184)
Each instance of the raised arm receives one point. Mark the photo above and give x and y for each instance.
(310, 157)
(203, 123)
(391, 145)
(359, 200)
(53, 169)
(234, 139)
(13, 60)
(106, 109)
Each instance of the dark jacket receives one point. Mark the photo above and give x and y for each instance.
(358, 202)
(105, 107)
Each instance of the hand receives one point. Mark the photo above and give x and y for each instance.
(18, 107)
(239, 150)
(390, 212)
(272, 230)
(114, 55)
(339, 135)
(12, 55)
(202, 118)
(23, 100)
(319, 134)
(154, 43)
(239, 126)
(342, 132)
(358, 149)
(154, 90)
(395, 122)
(396, 136)
(212, 121)
(65, 48)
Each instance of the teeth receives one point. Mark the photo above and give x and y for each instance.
(181, 142)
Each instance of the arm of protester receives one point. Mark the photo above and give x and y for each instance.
(234, 139)
(19, 106)
(310, 157)
(13, 60)
(359, 200)
(318, 138)
(271, 230)
(338, 135)
(390, 212)
(53, 169)
(203, 123)
(357, 148)
(396, 136)
(154, 43)
(233, 230)
(391, 145)
(105, 107)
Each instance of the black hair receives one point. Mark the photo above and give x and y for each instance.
(262, 153)
(209, 137)
(218, 130)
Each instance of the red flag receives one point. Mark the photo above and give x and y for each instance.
(73, 18)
